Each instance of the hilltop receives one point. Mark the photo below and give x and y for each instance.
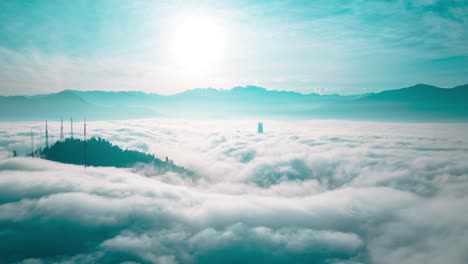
(100, 152)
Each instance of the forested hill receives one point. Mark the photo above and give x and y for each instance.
(100, 152)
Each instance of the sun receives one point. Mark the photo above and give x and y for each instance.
(199, 42)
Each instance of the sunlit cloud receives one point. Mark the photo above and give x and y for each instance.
(310, 191)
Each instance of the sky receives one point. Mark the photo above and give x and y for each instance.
(166, 47)
(335, 192)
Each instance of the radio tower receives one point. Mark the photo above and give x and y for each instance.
(71, 127)
(46, 135)
(32, 144)
(61, 128)
(84, 142)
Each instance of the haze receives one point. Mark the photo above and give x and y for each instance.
(345, 47)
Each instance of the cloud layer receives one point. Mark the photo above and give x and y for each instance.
(318, 191)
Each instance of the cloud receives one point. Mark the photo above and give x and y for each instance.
(309, 191)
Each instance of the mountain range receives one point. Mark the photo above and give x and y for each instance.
(420, 102)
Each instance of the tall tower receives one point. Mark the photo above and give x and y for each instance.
(84, 133)
(46, 135)
(71, 127)
(61, 128)
(260, 128)
(32, 144)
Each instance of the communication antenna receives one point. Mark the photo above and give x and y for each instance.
(71, 127)
(84, 142)
(46, 135)
(61, 128)
(32, 144)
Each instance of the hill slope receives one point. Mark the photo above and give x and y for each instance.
(416, 103)
(100, 152)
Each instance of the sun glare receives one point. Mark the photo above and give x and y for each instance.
(198, 42)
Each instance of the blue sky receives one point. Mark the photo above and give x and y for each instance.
(341, 47)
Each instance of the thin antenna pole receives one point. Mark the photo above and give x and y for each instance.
(46, 135)
(61, 128)
(32, 144)
(71, 127)
(85, 142)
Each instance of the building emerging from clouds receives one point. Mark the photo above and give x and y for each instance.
(260, 128)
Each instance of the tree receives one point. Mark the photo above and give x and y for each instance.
(15, 154)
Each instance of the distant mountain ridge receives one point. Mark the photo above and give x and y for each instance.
(420, 102)
(423, 92)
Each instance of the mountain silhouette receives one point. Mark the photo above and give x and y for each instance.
(63, 104)
(422, 93)
(420, 102)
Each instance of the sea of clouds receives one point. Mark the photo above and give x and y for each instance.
(302, 192)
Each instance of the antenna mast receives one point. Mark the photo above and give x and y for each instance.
(46, 135)
(84, 142)
(61, 128)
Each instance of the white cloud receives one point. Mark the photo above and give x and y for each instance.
(309, 191)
